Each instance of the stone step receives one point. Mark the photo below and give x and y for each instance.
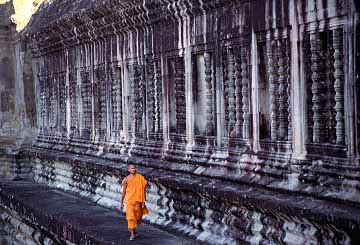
(67, 218)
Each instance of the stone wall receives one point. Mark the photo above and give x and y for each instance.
(17, 91)
(247, 110)
(14, 230)
(210, 210)
(206, 85)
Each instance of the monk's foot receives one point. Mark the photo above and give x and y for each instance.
(132, 238)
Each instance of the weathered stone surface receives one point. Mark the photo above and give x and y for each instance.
(65, 218)
(210, 209)
(246, 110)
(17, 86)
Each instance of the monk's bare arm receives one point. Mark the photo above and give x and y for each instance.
(124, 184)
(146, 186)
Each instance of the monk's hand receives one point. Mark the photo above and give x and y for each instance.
(142, 205)
(121, 207)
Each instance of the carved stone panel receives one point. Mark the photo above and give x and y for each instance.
(86, 99)
(236, 91)
(325, 87)
(275, 100)
(180, 95)
(203, 95)
(74, 112)
(62, 103)
(154, 95)
(116, 99)
(100, 97)
(53, 102)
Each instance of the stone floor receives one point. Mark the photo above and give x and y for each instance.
(76, 217)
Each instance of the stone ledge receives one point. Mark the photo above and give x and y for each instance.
(257, 174)
(341, 215)
(69, 218)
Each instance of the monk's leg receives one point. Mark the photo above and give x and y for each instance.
(131, 219)
(138, 213)
(132, 224)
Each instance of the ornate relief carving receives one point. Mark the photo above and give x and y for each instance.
(209, 94)
(116, 98)
(43, 102)
(327, 87)
(100, 101)
(238, 96)
(180, 96)
(62, 102)
(339, 85)
(236, 88)
(73, 92)
(86, 97)
(231, 92)
(137, 90)
(276, 89)
(158, 97)
(53, 101)
(151, 90)
(273, 76)
(245, 93)
(288, 89)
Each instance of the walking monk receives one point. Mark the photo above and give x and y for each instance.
(134, 186)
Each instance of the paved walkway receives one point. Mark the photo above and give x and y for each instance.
(67, 213)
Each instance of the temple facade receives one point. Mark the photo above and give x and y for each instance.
(243, 114)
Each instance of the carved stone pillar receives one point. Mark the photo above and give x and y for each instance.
(209, 95)
(100, 102)
(180, 96)
(330, 106)
(231, 92)
(238, 97)
(151, 94)
(139, 94)
(288, 89)
(315, 88)
(86, 99)
(73, 91)
(43, 109)
(283, 123)
(158, 97)
(62, 103)
(116, 100)
(338, 85)
(245, 93)
(271, 54)
(53, 101)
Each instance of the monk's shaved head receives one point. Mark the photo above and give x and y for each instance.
(132, 169)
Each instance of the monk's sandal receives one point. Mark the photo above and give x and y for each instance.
(132, 238)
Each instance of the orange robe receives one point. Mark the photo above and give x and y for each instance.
(135, 196)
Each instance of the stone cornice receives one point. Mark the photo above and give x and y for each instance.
(108, 18)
